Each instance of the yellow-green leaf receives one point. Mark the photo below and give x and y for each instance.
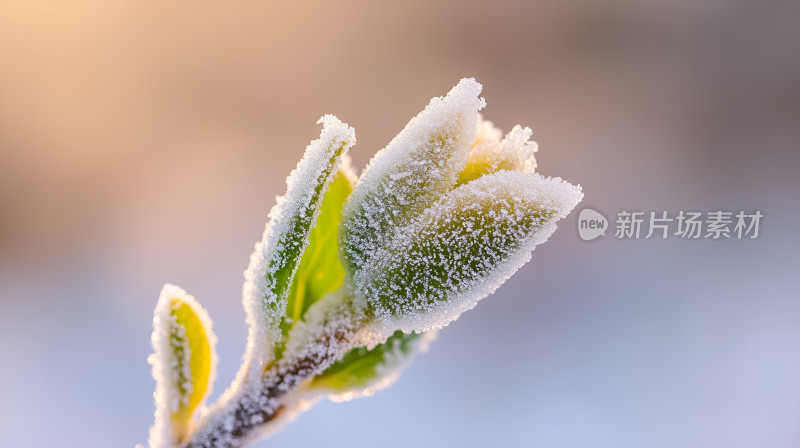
(361, 367)
(183, 364)
(193, 336)
(320, 271)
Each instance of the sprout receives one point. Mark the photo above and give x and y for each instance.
(353, 276)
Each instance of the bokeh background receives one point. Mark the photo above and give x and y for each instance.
(144, 142)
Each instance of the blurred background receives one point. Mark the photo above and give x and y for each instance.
(145, 142)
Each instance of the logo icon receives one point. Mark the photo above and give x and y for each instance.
(591, 224)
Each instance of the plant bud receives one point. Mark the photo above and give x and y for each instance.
(417, 167)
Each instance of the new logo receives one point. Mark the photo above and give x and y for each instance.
(591, 224)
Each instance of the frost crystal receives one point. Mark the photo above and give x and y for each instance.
(462, 249)
(419, 165)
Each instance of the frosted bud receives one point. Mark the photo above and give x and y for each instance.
(490, 154)
(462, 248)
(411, 173)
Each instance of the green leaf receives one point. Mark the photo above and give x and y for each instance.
(183, 363)
(361, 367)
(320, 271)
(462, 248)
(273, 265)
(292, 244)
(412, 172)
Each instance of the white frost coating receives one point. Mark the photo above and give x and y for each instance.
(419, 165)
(394, 364)
(168, 338)
(258, 295)
(462, 249)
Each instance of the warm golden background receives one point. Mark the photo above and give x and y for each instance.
(144, 142)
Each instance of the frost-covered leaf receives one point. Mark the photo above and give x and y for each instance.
(417, 167)
(489, 154)
(462, 248)
(275, 259)
(320, 270)
(183, 364)
(363, 371)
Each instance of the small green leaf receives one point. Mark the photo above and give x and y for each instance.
(320, 270)
(361, 367)
(183, 363)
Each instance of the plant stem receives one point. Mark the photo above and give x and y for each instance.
(253, 411)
